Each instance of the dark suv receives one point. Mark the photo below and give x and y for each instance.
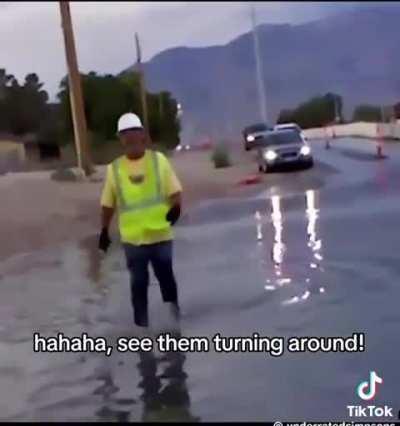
(253, 134)
(283, 147)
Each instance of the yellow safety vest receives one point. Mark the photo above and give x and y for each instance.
(142, 208)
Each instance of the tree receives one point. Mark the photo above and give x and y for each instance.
(50, 129)
(162, 112)
(107, 97)
(286, 116)
(316, 112)
(369, 113)
(335, 106)
(33, 104)
(163, 119)
(22, 108)
(5, 80)
(25, 108)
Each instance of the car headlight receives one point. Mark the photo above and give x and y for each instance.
(270, 155)
(305, 150)
(250, 138)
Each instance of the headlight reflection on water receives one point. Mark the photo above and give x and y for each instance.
(278, 247)
(312, 214)
(278, 250)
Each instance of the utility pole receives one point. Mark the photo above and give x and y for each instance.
(75, 92)
(259, 70)
(142, 84)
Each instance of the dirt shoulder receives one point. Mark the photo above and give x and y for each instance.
(38, 212)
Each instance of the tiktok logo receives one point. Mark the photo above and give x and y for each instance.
(367, 390)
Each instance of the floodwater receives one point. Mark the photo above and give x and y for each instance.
(314, 253)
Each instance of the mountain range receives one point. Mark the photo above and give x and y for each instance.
(354, 54)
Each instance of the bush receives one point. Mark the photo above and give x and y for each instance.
(316, 112)
(221, 157)
(64, 175)
(369, 113)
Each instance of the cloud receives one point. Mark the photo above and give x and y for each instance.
(31, 38)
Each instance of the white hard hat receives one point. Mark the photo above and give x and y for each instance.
(129, 121)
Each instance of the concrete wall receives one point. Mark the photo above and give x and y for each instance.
(359, 129)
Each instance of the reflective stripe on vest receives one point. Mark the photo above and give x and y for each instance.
(152, 201)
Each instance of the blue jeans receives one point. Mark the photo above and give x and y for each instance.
(138, 259)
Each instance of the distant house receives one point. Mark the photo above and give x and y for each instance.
(25, 152)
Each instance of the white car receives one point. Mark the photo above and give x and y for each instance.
(290, 126)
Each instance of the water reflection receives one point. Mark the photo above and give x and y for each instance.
(165, 396)
(314, 243)
(107, 390)
(95, 287)
(89, 245)
(279, 249)
(259, 226)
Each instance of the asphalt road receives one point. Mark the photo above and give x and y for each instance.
(314, 253)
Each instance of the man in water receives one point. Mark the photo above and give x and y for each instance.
(144, 189)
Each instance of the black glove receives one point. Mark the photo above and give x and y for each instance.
(174, 214)
(104, 240)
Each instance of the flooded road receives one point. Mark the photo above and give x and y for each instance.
(313, 253)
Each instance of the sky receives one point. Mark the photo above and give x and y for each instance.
(31, 38)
